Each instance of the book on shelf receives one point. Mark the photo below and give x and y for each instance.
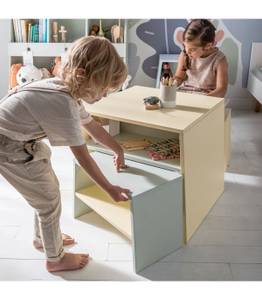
(24, 28)
(29, 31)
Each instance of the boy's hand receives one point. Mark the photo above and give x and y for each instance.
(119, 194)
(119, 160)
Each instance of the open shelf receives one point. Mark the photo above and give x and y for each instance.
(116, 213)
(138, 155)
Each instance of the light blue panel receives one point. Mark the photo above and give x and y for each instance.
(138, 177)
(157, 223)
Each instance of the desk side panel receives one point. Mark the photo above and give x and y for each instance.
(157, 223)
(203, 146)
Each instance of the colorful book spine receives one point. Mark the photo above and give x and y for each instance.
(47, 31)
(44, 31)
(36, 33)
(24, 30)
(19, 30)
(40, 30)
(15, 30)
(29, 32)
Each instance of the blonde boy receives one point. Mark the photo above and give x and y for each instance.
(53, 108)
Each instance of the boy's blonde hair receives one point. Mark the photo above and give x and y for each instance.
(93, 66)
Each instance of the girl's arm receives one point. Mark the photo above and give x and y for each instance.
(221, 80)
(104, 138)
(89, 165)
(180, 74)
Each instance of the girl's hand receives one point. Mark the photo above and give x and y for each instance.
(119, 160)
(119, 194)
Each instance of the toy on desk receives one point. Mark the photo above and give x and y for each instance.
(152, 103)
(166, 149)
(63, 33)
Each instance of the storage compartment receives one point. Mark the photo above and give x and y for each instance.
(152, 219)
(123, 132)
(39, 61)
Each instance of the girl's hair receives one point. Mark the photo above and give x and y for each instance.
(92, 65)
(201, 30)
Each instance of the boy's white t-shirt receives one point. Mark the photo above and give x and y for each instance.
(51, 113)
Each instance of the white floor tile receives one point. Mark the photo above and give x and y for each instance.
(232, 223)
(9, 232)
(204, 237)
(188, 271)
(120, 252)
(216, 254)
(247, 272)
(103, 271)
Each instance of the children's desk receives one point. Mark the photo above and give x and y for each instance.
(170, 197)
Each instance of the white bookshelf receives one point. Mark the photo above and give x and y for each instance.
(44, 53)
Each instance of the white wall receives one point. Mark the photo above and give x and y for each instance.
(4, 61)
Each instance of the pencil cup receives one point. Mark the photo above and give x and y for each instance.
(168, 95)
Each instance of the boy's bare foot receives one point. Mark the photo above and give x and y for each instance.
(69, 262)
(67, 240)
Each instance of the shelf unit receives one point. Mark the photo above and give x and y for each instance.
(44, 53)
(198, 124)
(154, 227)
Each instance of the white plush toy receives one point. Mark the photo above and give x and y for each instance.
(30, 73)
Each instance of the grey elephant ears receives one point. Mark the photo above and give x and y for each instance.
(219, 36)
(179, 36)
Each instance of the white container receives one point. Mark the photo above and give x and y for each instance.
(168, 95)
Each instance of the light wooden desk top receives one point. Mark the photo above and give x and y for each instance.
(128, 106)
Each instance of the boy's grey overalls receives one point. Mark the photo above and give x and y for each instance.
(27, 167)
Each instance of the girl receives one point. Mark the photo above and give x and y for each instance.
(202, 68)
(53, 108)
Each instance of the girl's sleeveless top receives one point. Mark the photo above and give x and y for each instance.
(201, 77)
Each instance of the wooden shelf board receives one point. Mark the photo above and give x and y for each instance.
(116, 213)
(138, 155)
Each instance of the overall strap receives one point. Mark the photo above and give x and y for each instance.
(36, 88)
